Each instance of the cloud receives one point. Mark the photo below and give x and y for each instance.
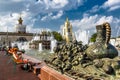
(10, 10)
(40, 6)
(111, 5)
(46, 17)
(90, 22)
(50, 16)
(55, 4)
(59, 14)
(37, 30)
(8, 22)
(60, 4)
(94, 9)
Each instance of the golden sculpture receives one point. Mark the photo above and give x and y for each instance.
(67, 31)
(20, 20)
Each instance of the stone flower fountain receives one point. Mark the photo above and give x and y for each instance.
(99, 61)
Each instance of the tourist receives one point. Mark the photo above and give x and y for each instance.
(25, 63)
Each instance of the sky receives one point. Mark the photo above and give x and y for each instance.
(51, 14)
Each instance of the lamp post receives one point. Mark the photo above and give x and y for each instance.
(7, 37)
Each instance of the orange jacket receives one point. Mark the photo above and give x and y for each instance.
(10, 51)
(18, 59)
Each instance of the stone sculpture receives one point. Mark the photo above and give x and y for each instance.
(96, 62)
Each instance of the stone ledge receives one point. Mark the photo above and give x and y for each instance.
(44, 72)
(47, 73)
(36, 69)
(31, 58)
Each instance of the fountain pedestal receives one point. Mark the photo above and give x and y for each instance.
(44, 72)
(47, 73)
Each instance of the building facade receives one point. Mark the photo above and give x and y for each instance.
(6, 38)
(20, 35)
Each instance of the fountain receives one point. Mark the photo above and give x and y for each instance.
(21, 45)
(36, 38)
(40, 47)
(53, 44)
(99, 61)
(82, 36)
(112, 41)
(25, 46)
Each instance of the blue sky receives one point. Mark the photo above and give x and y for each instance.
(51, 14)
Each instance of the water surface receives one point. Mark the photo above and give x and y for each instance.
(44, 54)
(38, 55)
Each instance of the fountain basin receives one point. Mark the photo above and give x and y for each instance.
(47, 73)
(44, 72)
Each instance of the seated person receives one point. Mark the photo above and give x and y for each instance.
(27, 65)
(11, 50)
(18, 57)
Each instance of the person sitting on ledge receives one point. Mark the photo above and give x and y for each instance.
(11, 50)
(18, 57)
(25, 63)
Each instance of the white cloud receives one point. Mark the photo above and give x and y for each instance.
(94, 9)
(7, 22)
(40, 6)
(55, 4)
(50, 16)
(10, 20)
(16, 0)
(60, 4)
(59, 14)
(90, 22)
(10, 9)
(109, 5)
(112, 4)
(37, 30)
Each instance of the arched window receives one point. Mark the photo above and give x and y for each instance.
(21, 39)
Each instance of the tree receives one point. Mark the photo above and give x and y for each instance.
(93, 37)
(57, 36)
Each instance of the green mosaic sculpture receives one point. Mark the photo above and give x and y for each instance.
(102, 48)
(96, 62)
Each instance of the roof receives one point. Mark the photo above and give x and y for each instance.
(15, 33)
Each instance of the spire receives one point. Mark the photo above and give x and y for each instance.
(20, 20)
(67, 19)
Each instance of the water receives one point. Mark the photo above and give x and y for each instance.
(112, 41)
(36, 38)
(42, 55)
(82, 36)
(21, 45)
(40, 46)
(53, 44)
(118, 52)
(38, 55)
(25, 46)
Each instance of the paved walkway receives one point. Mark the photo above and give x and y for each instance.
(8, 71)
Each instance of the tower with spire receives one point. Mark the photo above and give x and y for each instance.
(67, 31)
(20, 28)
